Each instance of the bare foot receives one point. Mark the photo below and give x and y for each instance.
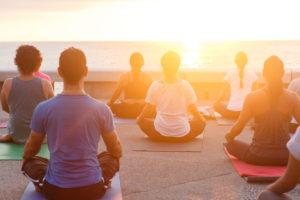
(5, 138)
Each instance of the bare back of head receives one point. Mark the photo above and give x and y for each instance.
(136, 61)
(170, 63)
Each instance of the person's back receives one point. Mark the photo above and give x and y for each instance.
(173, 99)
(23, 97)
(238, 83)
(272, 108)
(73, 134)
(20, 95)
(136, 85)
(73, 123)
(271, 132)
(238, 93)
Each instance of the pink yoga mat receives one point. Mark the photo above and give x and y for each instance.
(3, 124)
(246, 170)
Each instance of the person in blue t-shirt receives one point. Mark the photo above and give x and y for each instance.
(73, 123)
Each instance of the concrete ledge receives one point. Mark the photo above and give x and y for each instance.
(101, 84)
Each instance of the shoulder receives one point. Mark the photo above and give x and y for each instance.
(186, 83)
(97, 104)
(7, 85)
(45, 82)
(255, 95)
(8, 82)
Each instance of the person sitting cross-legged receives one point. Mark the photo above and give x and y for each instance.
(21, 94)
(73, 123)
(272, 108)
(172, 99)
(134, 85)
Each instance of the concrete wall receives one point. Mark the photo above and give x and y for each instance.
(101, 84)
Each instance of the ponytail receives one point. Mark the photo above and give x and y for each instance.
(273, 72)
(275, 90)
(241, 74)
(241, 60)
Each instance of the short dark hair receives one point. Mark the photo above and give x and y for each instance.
(136, 60)
(72, 64)
(28, 59)
(170, 62)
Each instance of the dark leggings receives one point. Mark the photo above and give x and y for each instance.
(222, 109)
(35, 168)
(255, 156)
(125, 110)
(147, 126)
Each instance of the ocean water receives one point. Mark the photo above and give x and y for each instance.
(205, 56)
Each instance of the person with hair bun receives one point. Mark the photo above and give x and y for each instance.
(21, 94)
(172, 99)
(134, 85)
(239, 83)
(272, 108)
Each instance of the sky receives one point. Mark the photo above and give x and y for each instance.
(149, 20)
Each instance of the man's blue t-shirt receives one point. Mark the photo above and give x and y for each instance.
(73, 125)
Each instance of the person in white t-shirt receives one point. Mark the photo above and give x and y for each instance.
(173, 99)
(239, 83)
(291, 177)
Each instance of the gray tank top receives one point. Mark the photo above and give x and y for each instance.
(23, 97)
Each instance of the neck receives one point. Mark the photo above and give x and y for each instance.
(26, 76)
(171, 79)
(76, 89)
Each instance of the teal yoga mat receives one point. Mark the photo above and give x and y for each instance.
(11, 151)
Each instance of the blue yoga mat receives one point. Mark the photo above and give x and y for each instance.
(114, 193)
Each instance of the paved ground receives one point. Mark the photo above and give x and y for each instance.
(203, 175)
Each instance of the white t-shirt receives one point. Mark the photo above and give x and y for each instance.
(295, 86)
(171, 102)
(239, 94)
(294, 145)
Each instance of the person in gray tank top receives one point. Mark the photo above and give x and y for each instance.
(272, 108)
(20, 95)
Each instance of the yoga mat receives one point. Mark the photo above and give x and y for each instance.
(114, 193)
(118, 120)
(255, 173)
(11, 151)
(144, 144)
(225, 122)
(4, 124)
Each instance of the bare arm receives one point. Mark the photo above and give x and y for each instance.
(225, 92)
(244, 117)
(147, 111)
(195, 112)
(117, 92)
(47, 88)
(289, 180)
(33, 145)
(113, 144)
(4, 94)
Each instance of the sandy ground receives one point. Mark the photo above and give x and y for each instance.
(201, 175)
